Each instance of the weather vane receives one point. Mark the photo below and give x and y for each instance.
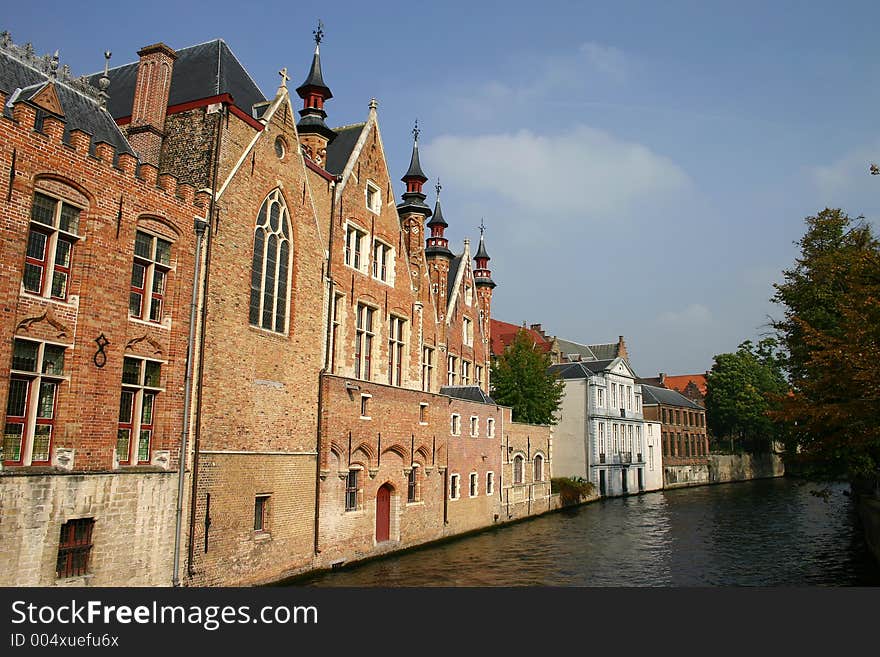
(416, 131)
(319, 33)
(438, 187)
(482, 227)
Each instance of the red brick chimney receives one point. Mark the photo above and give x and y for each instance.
(147, 129)
(621, 348)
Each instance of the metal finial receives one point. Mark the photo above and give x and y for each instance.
(482, 228)
(438, 187)
(416, 130)
(104, 80)
(53, 66)
(319, 33)
(284, 77)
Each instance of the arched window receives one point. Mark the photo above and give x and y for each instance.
(539, 468)
(270, 271)
(518, 469)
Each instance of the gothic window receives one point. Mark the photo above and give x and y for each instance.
(149, 271)
(52, 234)
(270, 272)
(539, 468)
(518, 465)
(37, 370)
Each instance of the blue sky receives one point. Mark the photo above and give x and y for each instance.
(642, 168)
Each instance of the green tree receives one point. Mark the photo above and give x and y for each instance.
(831, 329)
(521, 380)
(742, 387)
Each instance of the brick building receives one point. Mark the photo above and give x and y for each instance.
(98, 253)
(683, 434)
(333, 405)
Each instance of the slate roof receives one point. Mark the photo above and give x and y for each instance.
(567, 347)
(580, 370)
(654, 395)
(468, 393)
(200, 71)
(454, 266)
(81, 111)
(604, 351)
(340, 149)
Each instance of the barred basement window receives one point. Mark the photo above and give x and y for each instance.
(52, 234)
(270, 268)
(140, 387)
(74, 547)
(149, 271)
(37, 371)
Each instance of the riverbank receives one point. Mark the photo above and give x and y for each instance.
(723, 469)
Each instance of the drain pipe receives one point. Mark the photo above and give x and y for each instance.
(200, 226)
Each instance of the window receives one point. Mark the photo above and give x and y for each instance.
(539, 467)
(451, 364)
(412, 485)
(52, 234)
(468, 295)
(423, 413)
(629, 397)
(395, 349)
(639, 441)
(456, 424)
(74, 547)
(467, 330)
(490, 483)
(638, 403)
(334, 332)
(465, 372)
(602, 442)
(616, 442)
(475, 426)
(490, 427)
(663, 415)
(614, 394)
(149, 271)
(351, 490)
(677, 416)
(37, 370)
(472, 485)
(383, 261)
(140, 386)
(427, 368)
(454, 487)
(365, 407)
(373, 198)
(650, 457)
(518, 469)
(600, 396)
(354, 244)
(270, 268)
(629, 438)
(261, 513)
(363, 342)
(478, 375)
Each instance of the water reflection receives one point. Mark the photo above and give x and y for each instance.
(760, 533)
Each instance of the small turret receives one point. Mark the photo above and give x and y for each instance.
(313, 132)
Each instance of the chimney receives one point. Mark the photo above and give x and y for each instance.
(621, 349)
(662, 379)
(537, 328)
(147, 129)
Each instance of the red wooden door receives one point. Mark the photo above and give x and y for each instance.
(383, 514)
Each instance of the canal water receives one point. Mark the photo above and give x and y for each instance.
(771, 532)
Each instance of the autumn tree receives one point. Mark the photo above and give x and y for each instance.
(742, 388)
(521, 380)
(831, 331)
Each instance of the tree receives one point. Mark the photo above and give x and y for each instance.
(741, 388)
(521, 380)
(831, 330)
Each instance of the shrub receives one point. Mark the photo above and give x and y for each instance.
(572, 490)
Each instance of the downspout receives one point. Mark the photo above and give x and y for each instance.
(202, 333)
(327, 335)
(200, 226)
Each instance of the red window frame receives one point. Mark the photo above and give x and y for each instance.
(74, 547)
(42, 262)
(21, 420)
(126, 426)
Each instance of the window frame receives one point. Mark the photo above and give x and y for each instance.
(475, 426)
(52, 233)
(353, 251)
(282, 278)
(262, 503)
(467, 331)
(427, 368)
(396, 349)
(352, 493)
(451, 365)
(518, 470)
(454, 486)
(151, 267)
(363, 341)
(473, 484)
(371, 188)
(136, 424)
(490, 483)
(455, 424)
(73, 547)
(383, 259)
(490, 427)
(538, 468)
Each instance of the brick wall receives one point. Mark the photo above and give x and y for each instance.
(532, 496)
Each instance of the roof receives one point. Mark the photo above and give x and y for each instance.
(415, 167)
(340, 149)
(468, 393)
(602, 351)
(580, 370)
(315, 78)
(571, 350)
(655, 395)
(481, 252)
(437, 219)
(503, 334)
(79, 103)
(200, 71)
(680, 382)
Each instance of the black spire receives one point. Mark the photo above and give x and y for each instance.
(413, 198)
(437, 244)
(482, 275)
(437, 219)
(314, 92)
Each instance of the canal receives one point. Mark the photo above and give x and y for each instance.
(772, 532)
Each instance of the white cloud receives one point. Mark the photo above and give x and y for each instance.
(693, 315)
(585, 175)
(848, 176)
(607, 60)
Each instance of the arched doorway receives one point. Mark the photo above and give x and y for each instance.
(383, 513)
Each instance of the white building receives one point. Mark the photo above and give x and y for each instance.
(653, 455)
(601, 435)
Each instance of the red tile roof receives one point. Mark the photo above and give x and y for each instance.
(680, 382)
(503, 334)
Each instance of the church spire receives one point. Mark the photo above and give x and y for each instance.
(482, 275)
(313, 131)
(413, 198)
(437, 244)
